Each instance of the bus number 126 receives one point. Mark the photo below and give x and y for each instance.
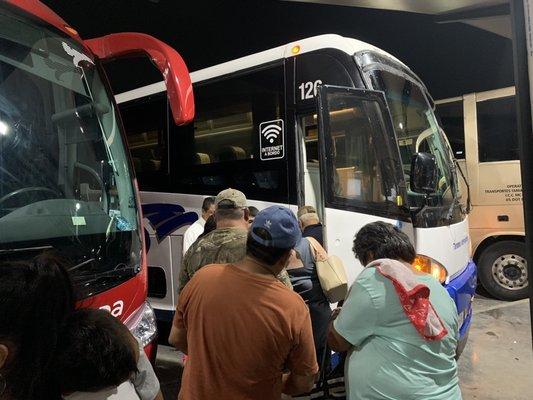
(308, 89)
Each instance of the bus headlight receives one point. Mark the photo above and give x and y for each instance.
(430, 266)
(142, 324)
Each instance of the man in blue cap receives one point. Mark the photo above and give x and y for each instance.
(247, 335)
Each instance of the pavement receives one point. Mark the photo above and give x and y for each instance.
(497, 363)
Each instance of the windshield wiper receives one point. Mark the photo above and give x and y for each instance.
(119, 273)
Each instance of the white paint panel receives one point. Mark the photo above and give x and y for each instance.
(340, 228)
(347, 45)
(449, 245)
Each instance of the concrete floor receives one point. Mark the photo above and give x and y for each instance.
(497, 363)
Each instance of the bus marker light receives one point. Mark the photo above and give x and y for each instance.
(295, 49)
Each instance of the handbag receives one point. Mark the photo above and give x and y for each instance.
(331, 273)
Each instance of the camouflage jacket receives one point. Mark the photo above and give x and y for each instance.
(221, 246)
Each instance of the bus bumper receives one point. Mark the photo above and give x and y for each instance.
(462, 289)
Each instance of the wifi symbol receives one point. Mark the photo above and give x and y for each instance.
(271, 132)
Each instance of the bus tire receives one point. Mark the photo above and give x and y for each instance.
(502, 270)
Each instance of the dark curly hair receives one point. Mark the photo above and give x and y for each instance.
(382, 240)
(35, 297)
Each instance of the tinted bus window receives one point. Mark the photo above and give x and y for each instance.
(222, 148)
(452, 120)
(146, 128)
(497, 130)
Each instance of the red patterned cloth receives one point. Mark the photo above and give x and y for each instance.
(414, 298)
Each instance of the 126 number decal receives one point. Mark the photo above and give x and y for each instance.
(308, 89)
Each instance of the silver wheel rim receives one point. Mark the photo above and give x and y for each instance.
(510, 271)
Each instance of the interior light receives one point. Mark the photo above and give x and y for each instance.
(4, 129)
(295, 49)
(430, 266)
(400, 125)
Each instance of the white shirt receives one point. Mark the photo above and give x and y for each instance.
(192, 233)
(125, 391)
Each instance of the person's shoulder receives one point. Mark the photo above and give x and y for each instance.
(208, 270)
(289, 297)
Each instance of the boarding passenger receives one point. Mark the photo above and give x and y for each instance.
(35, 297)
(210, 225)
(248, 336)
(310, 223)
(195, 230)
(227, 243)
(393, 352)
(305, 282)
(99, 359)
(252, 213)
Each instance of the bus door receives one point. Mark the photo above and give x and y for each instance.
(361, 176)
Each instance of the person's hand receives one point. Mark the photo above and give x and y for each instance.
(335, 313)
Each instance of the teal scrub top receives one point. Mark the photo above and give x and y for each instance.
(390, 360)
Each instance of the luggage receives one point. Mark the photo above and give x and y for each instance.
(331, 273)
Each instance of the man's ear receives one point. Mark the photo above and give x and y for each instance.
(246, 214)
(4, 354)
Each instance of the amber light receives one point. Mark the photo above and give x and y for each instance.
(430, 266)
(71, 30)
(295, 49)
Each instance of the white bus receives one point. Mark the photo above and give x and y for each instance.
(482, 131)
(313, 122)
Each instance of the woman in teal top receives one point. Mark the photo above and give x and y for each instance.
(389, 357)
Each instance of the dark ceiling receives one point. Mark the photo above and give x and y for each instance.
(451, 58)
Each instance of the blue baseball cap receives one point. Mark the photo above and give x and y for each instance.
(277, 227)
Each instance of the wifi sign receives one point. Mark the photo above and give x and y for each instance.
(271, 138)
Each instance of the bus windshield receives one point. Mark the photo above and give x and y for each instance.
(65, 182)
(417, 131)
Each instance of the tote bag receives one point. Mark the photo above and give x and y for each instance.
(331, 273)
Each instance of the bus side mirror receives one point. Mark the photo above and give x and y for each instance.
(166, 59)
(423, 177)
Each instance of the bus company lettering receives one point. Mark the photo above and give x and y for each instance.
(512, 193)
(460, 243)
(117, 309)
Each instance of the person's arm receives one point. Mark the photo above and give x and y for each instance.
(302, 363)
(294, 385)
(335, 341)
(178, 332)
(178, 338)
(356, 321)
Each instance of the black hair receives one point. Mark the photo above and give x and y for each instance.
(266, 254)
(382, 240)
(253, 211)
(35, 298)
(97, 351)
(207, 203)
(210, 225)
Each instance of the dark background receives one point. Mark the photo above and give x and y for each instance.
(451, 59)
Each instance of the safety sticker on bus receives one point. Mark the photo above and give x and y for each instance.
(271, 139)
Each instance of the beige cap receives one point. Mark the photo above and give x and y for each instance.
(306, 210)
(231, 198)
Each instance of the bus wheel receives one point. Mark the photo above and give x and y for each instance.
(502, 270)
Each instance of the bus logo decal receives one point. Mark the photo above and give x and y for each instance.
(271, 139)
(166, 218)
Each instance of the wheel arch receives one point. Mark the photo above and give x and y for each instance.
(495, 238)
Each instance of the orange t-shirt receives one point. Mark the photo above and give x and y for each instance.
(243, 331)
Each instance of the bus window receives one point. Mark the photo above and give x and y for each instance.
(222, 148)
(452, 120)
(146, 128)
(496, 129)
(360, 163)
(230, 111)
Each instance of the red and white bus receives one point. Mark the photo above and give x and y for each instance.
(66, 179)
